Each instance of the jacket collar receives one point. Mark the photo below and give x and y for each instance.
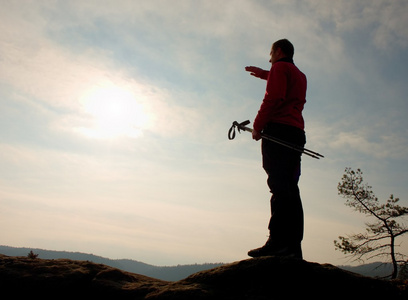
(286, 59)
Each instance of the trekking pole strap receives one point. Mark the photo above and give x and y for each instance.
(240, 126)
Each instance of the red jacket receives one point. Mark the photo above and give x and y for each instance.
(285, 96)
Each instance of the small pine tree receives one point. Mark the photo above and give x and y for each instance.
(32, 255)
(379, 238)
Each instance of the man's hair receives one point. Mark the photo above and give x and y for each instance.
(286, 47)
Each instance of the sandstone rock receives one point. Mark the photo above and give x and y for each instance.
(261, 278)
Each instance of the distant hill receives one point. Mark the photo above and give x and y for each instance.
(255, 279)
(168, 273)
(375, 269)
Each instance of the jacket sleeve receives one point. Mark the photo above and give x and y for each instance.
(274, 95)
(264, 74)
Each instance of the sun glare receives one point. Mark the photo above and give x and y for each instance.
(113, 112)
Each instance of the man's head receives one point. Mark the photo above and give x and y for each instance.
(280, 49)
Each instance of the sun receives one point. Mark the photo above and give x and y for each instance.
(112, 112)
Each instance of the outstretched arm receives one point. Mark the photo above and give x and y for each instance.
(257, 72)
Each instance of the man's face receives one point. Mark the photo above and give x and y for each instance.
(275, 55)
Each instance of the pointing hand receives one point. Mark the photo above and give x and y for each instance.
(255, 71)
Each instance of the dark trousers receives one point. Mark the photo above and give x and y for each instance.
(283, 168)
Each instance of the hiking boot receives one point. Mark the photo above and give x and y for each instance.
(270, 249)
(265, 250)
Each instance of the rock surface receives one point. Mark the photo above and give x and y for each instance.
(261, 278)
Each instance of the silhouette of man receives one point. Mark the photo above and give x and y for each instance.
(280, 116)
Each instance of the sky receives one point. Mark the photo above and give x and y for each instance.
(114, 117)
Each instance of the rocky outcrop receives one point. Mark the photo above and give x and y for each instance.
(261, 278)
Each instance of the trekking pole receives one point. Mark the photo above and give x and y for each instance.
(242, 126)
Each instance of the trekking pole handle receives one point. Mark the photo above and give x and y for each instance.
(242, 126)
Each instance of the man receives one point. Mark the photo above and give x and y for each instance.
(280, 116)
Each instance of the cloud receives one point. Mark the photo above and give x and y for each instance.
(45, 73)
(388, 22)
(384, 146)
(384, 22)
